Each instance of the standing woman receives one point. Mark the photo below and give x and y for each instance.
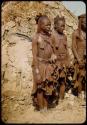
(79, 51)
(42, 51)
(59, 43)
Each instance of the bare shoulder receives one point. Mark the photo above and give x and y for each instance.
(65, 37)
(76, 33)
(35, 37)
(53, 35)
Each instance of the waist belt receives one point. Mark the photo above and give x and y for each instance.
(43, 60)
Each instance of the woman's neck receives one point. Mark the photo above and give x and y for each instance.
(44, 33)
(60, 34)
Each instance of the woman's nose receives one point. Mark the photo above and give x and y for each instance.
(48, 26)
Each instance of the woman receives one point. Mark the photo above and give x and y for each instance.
(42, 55)
(79, 51)
(59, 43)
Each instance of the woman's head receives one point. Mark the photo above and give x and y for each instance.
(59, 24)
(82, 21)
(43, 22)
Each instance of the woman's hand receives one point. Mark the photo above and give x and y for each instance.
(81, 64)
(38, 78)
(53, 58)
(79, 61)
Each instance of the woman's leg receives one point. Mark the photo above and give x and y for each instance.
(62, 91)
(45, 103)
(40, 99)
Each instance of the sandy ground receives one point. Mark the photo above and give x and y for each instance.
(68, 111)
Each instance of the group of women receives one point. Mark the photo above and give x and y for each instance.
(52, 73)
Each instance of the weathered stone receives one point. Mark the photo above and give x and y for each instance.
(4, 54)
(16, 107)
(9, 25)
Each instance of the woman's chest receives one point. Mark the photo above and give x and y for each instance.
(60, 44)
(44, 45)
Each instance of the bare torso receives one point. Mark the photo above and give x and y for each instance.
(44, 47)
(60, 47)
(81, 45)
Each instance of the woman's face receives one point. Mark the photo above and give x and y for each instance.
(45, 25)
(60, 26)
(83, 23)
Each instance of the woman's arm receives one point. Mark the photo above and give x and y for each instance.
(53, 56)
(74, 46)
(35, 51)
(35, 58)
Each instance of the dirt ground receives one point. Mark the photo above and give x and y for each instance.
(21, 110)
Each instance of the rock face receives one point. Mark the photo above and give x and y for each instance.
(18, 28)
